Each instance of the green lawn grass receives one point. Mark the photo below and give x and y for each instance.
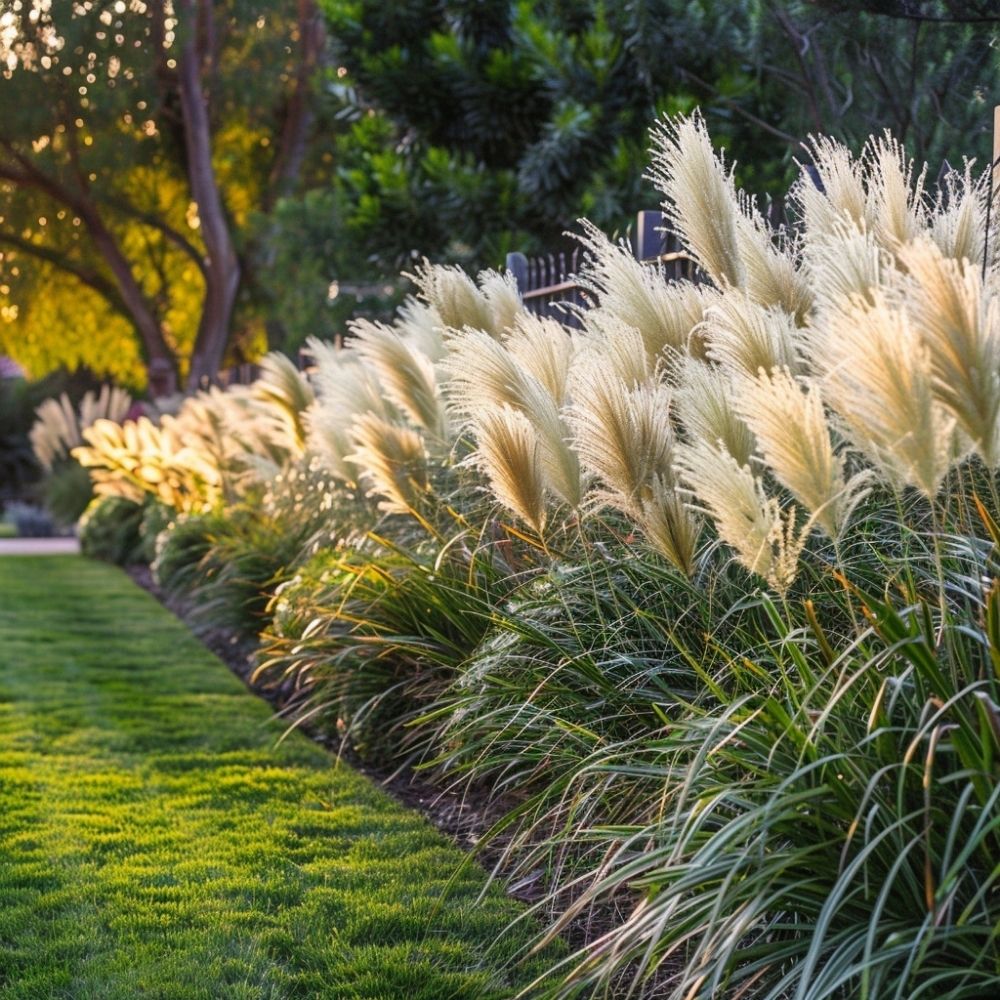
(155, 841)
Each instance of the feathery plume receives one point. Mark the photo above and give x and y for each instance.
(283, 388)
(793, 438)
(704, 398)
(839, 204)
(622, 435)
(877, 376)
(639, 295)
(724, 231)
(700, 196)
(617, 345)
(668, 524)
(958, 220)
(422, 326)
(752, 523)
(895, 196)
(58, 428)
(345, 389)
(405, 373)
(503, 300)
(544, 348)
(391, 461)
(844, 264)
(772, 275)
(508, 452)
(745, 337)
(960, 327)
(483, 372)
(454, 295)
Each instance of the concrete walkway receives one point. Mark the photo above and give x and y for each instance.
(39, 546)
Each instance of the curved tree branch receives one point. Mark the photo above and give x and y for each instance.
(87, 276)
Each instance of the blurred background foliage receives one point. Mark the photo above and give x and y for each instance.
(453, 129)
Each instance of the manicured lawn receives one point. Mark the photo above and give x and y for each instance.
(155, 842)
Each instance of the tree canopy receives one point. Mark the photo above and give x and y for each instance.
(478, 127)
(136, 141)
(190, 181)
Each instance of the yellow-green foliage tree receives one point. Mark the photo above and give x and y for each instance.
(136, 139)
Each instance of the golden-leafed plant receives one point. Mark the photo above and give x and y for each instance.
(137, 459)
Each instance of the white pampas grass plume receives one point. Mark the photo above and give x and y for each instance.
(958, 221)
(639, 295)
(343, 383)
(845, 264)
(959, 325)
(247, 436)
(508, 451)
(840, 204)
(622, 435)
(422, 326)
(544, 348)
(764, 538)
(286, 390)
(772, 275)
(745, 336)
(705, 398)
(391, 461)
(793, 438)
(58, 428)
(668, 524)
(482, 372)
(617, 346)
(109, 403)
(700, 196)
(503, 301)
(346, 388)
(895, 195)
(405, 373)
(723, 231)
(876, 373)
(454, 295)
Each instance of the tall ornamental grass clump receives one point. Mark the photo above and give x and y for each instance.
(702, 593)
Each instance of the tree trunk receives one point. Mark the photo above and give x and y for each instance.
(161, 364)
(222, 268)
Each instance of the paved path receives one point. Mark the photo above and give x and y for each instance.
(39, 546)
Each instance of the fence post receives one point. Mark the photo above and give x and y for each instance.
(648, 235)
(517, 264)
